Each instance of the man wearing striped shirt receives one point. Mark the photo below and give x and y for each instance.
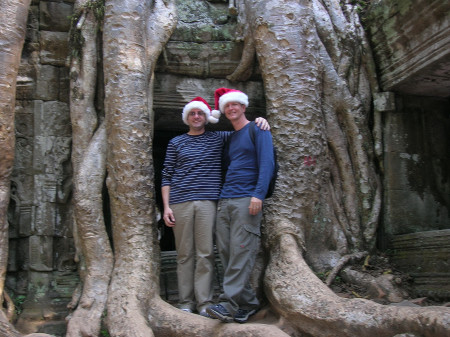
(191, 183)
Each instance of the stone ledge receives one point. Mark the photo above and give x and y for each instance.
(426, 257)
(410, 44)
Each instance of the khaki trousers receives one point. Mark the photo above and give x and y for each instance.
(193, 231)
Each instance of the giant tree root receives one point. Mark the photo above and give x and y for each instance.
(9, 306)
(298, 295)
(8, 330)
(342, 262)
(381, 287)
(165, 320)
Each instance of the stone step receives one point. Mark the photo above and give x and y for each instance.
(426, 257)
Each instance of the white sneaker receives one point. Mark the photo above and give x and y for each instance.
(205, 314)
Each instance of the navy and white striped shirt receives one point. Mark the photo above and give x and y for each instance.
(192, 167)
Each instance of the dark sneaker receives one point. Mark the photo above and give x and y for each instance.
(242, 315)
(205, 314)
(220, 312)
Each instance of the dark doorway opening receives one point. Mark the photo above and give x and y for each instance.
(160, 141)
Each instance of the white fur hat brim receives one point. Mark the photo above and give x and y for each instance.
(233, 96)
(195, 105)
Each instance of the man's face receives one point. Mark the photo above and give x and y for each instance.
(234, 110)
(196, 119)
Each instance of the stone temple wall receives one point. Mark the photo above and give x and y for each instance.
(41, 253)
(410, 41)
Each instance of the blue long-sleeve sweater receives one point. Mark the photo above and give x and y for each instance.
(250, 165)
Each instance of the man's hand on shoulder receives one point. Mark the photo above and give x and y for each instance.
(262, 123)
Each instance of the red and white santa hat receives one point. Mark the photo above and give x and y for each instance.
(222, 96)
(199, 103)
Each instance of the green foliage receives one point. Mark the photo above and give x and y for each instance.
(75, 38)
(18, 301)
(323, 277)
(98, 7)
(361, 5)
(104, 333)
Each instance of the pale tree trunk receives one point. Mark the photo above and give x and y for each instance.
(318, 87)
(134, 35)
(94, 252)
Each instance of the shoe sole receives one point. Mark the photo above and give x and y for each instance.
(244, 320)
(205, 314)
(218, 315)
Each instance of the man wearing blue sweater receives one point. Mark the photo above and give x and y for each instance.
(239, 212)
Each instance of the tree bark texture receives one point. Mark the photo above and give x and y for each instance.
(134, 35)
(318, 85)
(320, 107)
(89, 167)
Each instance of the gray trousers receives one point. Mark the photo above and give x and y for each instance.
(238, 240)
(193, 231)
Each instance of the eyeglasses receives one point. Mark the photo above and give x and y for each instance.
(196, 113)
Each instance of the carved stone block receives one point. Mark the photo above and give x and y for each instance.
(45, 215)
(23, 153)
(52, 154)
(53, 16)
(18, 281)
(172, 93)
(22, 254)
(410, 43)
(52, 119)
(47, 83)
(54, 48)
(63, 224)
(26, 81)
(64, 85)
(22, 188)
(12, 256)
(64, 254)
(211, 59)
(24, 122)
(411, 211)
(45, 186)
(41, 253)
(26, 220)
(426, 256)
